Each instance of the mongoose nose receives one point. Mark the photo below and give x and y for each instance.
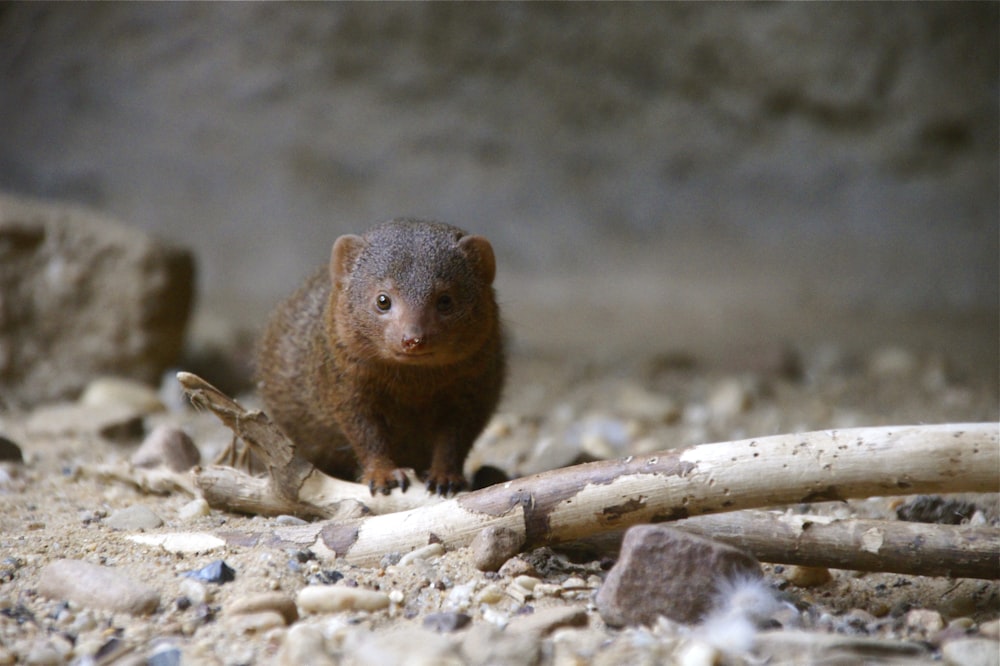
(412, 343)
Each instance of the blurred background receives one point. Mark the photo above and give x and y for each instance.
(653, 176)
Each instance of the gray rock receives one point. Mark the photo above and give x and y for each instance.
(93, 586)
(446, 622)
(664, 571)
(168, 446)
(135, 517)
(83, 296)
(495, 545)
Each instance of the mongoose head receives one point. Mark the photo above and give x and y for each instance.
(414, 292)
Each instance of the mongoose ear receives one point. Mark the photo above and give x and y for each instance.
(345, 251)
(479, 250)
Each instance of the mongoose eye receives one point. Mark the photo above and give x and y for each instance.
(383, 302)
(445, 303)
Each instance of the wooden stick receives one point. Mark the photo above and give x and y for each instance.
(923, 549)
(567, 504)
(571, 503)
(291, 485)
(918, 549)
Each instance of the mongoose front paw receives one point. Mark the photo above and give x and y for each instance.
(446, 484)
(383, 480)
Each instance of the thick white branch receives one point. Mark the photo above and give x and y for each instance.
(574, 502)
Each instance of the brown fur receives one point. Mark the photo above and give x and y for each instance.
(362, 389)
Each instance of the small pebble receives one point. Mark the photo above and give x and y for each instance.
(924, 620)
(990, 629)
(516, 566)
(50, 651)
(963, 623)
(335, 598)
(402, 645)
(109, 650)
(167, 446)
(304, 644)
(856, 621)
(729, 398)
(266, 601)
(446, 622)
(698, 653)
(522, 588)
(93, 586)
(194, 591)
(180, 542)
(196, 508)
(485, 644)
(165, 655)
(427, 552)
(543, 622)
(807, 576)
(460, 597)
(215, 572)
(638, 403)
(971, 652)
(83, 622)
(490, 594)
(135, 517)
(255, 623)
(290, 520)
(495, 545)
(111, 391)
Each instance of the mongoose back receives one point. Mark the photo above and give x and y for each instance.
(391, 357)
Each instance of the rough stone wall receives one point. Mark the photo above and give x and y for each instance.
(853, 144)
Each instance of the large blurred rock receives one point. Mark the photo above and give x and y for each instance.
(82, 296)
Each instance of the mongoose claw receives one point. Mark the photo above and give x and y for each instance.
(446, 485)
(384, 481)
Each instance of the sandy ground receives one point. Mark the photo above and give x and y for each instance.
(850, 369)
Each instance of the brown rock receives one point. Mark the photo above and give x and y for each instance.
(495, 545)
(82, 296)
(167, 446)
(808, 576)
(664, 571)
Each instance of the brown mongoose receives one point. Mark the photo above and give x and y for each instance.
(391, 357)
